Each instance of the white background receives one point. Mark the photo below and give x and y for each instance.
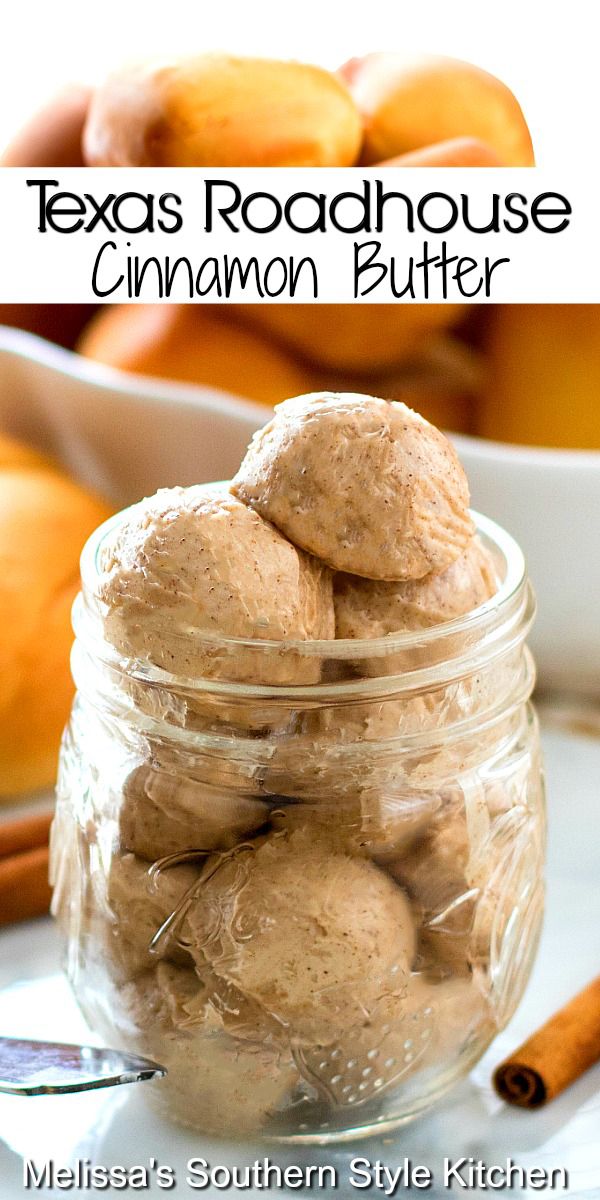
(547, 51)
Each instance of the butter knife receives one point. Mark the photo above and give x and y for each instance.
(31, 1068)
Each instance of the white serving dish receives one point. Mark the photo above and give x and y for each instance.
(128, 435)
(549, 500)
(125, 435)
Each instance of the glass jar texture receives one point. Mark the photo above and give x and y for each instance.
(315, 902)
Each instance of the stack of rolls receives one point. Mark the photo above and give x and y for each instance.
(216, 110)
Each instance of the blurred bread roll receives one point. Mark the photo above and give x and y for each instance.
(163, 813)
(214, 110)
(60, 323)
(407, 105)
(544, 376)
(194, 344)
(453, 152)
(45, 519)
(351, 337)
(52, 135)
(443, 381)
(15, 454)
(210, 345)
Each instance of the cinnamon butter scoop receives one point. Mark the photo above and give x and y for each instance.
(372, 608)
(306, 933)
(191, 564)
(366, 485)
(166, 1014)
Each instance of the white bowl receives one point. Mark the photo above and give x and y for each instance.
(549, 500)
(127, 436)
(124, 435)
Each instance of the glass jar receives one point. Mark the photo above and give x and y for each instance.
(309, 883)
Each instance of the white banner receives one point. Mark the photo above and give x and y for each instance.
(277, 235)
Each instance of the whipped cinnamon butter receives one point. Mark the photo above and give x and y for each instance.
(299, 838)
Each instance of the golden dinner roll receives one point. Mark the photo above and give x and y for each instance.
(18, 454)
(194, 344)
(543, 376)
(60, 323)
(443, 382)
(215, 110)
(448, 410)
(39, 703)
(52, 135)
(453, 152)
(45, 519)
(406, 105)
(351, 337)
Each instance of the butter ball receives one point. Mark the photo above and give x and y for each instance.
(311, 935)
(192, 566)
(166, 1015)
(134, 907)
(427, 1026)
(368, 608)
(163, 813)
(366, 485)
(378, 823)
(345, 749)
(464, 876)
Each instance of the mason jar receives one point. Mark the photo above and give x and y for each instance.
(310, 882)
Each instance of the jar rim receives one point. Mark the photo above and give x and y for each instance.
(511, 606)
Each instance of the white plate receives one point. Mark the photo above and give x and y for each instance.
(117, 1127)
(128, 435)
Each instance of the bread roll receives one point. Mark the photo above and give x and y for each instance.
(544, 376)
(442, 381)
(44, 520)
(52, 135)
(407, 105)
(453, 152)
(218, 111)
(14, 454)
(194, 344)
(60, 323)
(351, 337)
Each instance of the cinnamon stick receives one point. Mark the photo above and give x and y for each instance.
(554, 1057)
(24, 888)
(24, 833)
